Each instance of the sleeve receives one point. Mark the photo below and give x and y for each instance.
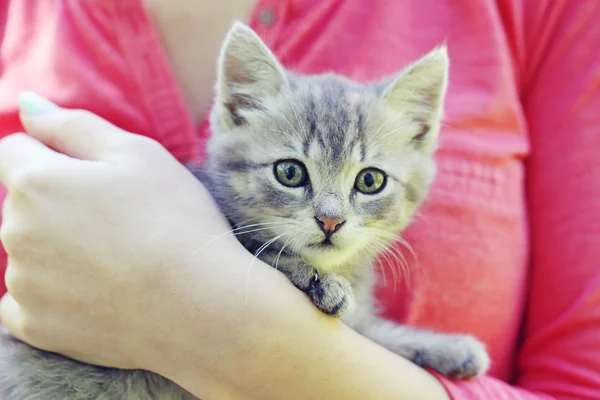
(560, 353)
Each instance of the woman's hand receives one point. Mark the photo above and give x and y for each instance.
(104, 235)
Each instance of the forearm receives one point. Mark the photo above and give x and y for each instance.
(327, 360)
(290, 350)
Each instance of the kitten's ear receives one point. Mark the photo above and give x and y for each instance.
(419, 91)
(247, 73)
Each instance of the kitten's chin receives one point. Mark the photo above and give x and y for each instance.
(330, 258)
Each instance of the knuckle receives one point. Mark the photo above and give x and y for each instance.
(15, 284)
(141, 149)
(10, 279)
(10, 139)
(32, 177)
(10, 235)
(16, 239)
(30, 330)
(143, 145)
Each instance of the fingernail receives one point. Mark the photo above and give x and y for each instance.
(32, 104)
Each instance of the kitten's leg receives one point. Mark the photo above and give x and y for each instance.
(452, 355)
(332, 294)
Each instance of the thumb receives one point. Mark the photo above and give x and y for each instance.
(77, 133)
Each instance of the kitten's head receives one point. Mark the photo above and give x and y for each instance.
(333, 169)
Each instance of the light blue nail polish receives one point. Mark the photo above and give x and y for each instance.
(32, 104)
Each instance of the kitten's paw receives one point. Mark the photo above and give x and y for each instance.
(332, 294)
(454, 356)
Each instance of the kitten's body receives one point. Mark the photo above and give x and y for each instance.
(332, 129)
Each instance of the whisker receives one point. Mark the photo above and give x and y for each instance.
(381, 127)
(279, 131)
(389, 257)
(382, 269)
(286, 92)
(228, 232)
(386, 121)
(392, 252)
(276, 261)
(379, 139)
(287, 95)
(271, 109)
(258, 252)
(448, 125)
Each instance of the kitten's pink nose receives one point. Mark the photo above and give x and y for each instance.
(329, 225)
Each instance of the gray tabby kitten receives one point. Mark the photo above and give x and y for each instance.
(317, 174)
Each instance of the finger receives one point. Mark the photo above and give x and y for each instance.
(20, 151)
(10, 315)
(77, 133)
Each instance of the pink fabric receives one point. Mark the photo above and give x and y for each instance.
(507, 243)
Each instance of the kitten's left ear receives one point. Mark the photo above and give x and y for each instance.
(419, 92)
(248, 72)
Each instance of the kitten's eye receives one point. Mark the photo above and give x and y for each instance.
(370, 181)
(290, 173)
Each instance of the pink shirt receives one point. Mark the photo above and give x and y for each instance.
(507, 243)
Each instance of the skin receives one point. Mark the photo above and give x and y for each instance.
(192, 32)
(156, 300)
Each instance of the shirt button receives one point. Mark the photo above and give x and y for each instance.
(266, 16)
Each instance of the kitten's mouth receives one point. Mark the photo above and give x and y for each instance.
(325, 244)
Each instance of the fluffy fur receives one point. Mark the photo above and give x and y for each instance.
(332, 130)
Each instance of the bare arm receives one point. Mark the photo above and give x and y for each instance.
(281, 346)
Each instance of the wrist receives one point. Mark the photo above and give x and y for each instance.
(207, 340)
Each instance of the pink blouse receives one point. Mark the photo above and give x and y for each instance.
(505, 243)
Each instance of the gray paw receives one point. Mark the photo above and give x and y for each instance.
(454, 356)
(332, 294)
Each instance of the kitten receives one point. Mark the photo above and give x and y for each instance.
(317, 174)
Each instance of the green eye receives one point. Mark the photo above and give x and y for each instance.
(290, 173)
(370, 181)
